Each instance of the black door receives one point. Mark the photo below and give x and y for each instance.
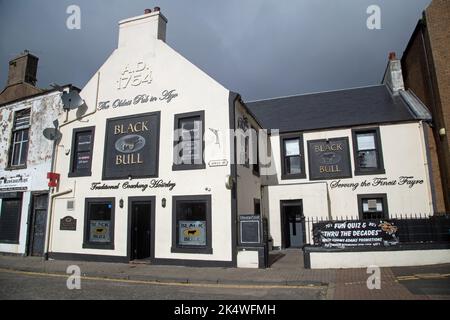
(293, 224)
(38, 224)
(140, 229)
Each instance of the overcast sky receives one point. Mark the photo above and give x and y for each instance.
(259, 48)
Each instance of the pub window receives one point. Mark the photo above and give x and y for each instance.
(255, 151)
(11, 209)
(373, 206)
(191, 216)
(367, 152)
(82, 147)
(188, 141)
(257, 206)
(99, 223)
(292, 157)
(20, 139)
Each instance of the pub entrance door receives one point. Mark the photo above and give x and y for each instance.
(293, 224)
(140, 229)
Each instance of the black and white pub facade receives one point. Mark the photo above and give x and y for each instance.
(145, 164)
(163, 163)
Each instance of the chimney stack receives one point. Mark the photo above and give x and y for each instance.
(23, 69)
(136, 31)
(393, 76)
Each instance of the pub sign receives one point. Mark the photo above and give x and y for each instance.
(131, 147)
(329, 159)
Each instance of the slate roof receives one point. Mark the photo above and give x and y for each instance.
(342, 108)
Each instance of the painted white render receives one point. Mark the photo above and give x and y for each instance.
(159, 71)
(404, 154)
(248, 181)
(44, 109)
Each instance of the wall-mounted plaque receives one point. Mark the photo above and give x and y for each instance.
(249, 229)
(131, 147)
(68, 223)
(218, 163)
(329, 159)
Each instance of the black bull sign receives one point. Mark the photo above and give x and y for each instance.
(331, 234)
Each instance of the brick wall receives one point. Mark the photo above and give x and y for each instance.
(426, 69)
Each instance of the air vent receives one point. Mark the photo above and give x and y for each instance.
(70, 204)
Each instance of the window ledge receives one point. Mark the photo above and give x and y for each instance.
(369, 173)
(293, 176)
(201, 250)
(9, 242)
(181, 167)
(11, 168)
(98, 246)
(79, 174)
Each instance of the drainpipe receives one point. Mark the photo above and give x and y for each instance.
(54, 160)
(50, 219)
(426, 156)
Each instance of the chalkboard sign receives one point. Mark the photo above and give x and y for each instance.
(250, 229)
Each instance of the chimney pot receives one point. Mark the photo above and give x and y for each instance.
(157, 9)
(392, 56)
(147, 11)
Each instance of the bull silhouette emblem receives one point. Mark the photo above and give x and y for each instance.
(330, 158)
(192, 232)
(130, 143)
(100, 230)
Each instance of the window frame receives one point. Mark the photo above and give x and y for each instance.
(191, 166)
(378, 149)
(256, 205)
(18, 197)
(382, 196)
(284, 174)
(86, 172)
(102, 246)
(14, 130)
(256, 168)
(176, 248)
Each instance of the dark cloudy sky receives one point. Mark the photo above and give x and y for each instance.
(259, 48)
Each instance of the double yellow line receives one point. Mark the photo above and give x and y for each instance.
(162, 283)
(424, 276)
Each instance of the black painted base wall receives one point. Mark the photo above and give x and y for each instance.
(154, 261)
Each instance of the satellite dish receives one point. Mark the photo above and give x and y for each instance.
(71, 100)
(52, 134)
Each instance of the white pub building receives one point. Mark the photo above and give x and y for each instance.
(155, 166)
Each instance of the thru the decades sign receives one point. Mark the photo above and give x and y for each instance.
(329, 159)
(355, 233)
(131, 147)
